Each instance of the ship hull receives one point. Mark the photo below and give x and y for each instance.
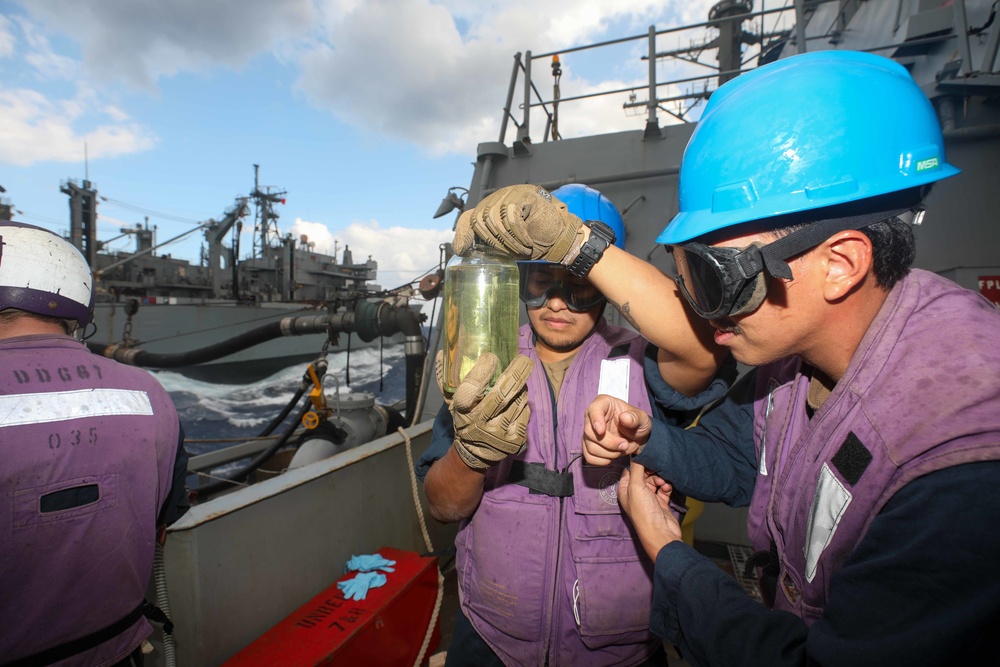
(239, 564)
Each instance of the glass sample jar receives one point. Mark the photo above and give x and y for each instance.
(480, 311)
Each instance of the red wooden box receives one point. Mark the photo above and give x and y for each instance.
(387, 628)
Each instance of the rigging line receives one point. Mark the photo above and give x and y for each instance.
(33, 216)
(217, 478)
(241, 439)
(151, 212)
(429, 271)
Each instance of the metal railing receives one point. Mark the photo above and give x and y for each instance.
(722, 54)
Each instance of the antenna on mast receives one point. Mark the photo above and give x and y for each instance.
(86, 163)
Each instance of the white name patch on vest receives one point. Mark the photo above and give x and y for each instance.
(614, 378)
(57, 406)
(829, 504)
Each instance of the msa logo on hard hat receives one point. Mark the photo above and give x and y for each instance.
(929, 163)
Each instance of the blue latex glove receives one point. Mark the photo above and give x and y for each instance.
(370, 563)
(357, 588)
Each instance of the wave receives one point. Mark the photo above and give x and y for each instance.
(213, 411)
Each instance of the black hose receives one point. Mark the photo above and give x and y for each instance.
(369, 319)
(414, 378)
(284, 412)
(320, 365)
(288, 326)
(202, 492)
(407, 321)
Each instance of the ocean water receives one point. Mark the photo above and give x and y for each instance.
(215, 411)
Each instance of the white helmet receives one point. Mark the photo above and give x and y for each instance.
(42, 273)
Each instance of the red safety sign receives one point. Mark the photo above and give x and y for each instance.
(989, 286)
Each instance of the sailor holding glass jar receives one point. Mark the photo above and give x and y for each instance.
(549, 570)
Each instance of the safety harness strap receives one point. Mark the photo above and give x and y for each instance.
(539, 479)
(87, 642)
(770, 566)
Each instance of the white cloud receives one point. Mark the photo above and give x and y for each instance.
(139, 41)
(434, 74)
(34, 128)
(39, 55)
(402, 69)
(7, 38)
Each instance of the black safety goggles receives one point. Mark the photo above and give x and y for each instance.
(725, 282)
(720, 282)
(540, 282)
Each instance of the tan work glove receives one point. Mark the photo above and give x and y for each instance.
(489, 428)
(524, 221)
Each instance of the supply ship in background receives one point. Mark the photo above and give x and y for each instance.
(169, 307)
(249, 555)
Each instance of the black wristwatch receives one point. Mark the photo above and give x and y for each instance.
(601, 236)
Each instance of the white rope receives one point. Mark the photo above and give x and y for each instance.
(221, 479)
(427, 542)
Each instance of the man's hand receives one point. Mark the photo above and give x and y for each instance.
(645, 498)
(524, 221)
(613, 428)
(490, 427)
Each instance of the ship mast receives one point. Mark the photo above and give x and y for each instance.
(83, 217)
(266, 234)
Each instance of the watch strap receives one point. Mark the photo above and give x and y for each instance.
(601, 236)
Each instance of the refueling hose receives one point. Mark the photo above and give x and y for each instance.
(288, 326)
(369, 320)
(202, 492)
(320, 365)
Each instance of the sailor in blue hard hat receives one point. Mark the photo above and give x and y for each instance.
(562, 323)
(871, 418)
(537, 524)
(811, 146)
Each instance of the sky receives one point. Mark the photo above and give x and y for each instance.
(365, 112)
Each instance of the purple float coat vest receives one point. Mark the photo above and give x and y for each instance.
(921, 393)
(563, 577)
(70, 419)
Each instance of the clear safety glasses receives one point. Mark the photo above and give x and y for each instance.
(540, 282)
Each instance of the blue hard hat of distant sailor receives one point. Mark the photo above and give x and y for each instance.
(587, 203)
(538, 283)
(807, 132)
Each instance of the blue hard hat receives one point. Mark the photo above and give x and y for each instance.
(806, 132)
(587, 203)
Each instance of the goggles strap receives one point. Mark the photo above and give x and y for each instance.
(775, 253)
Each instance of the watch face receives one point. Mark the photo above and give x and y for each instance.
(602, 230)
(601, 237)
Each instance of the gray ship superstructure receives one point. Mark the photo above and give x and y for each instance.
(169, 306)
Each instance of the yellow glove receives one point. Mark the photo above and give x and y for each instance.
(524, 221)
(489, 428)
